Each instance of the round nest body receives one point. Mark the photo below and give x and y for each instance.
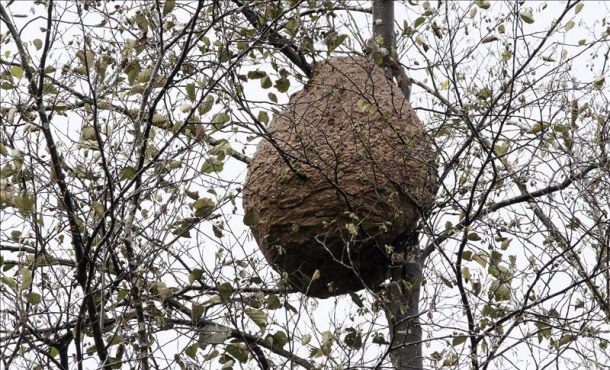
(346, 170)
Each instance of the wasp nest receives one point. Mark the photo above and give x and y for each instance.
(346, 170)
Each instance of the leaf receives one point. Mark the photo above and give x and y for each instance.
(197, 311)
(419, 21)
(190, 91)
(17, 71)
(353, 339)
(535, 128)
(501, 28)
(214, 334)
(305, 339)
(128, 173)
(194, 275)
(263, 117)
(37, 44)
(141, 22)
(168, 6)
(599, 81)
(457, 340)
(565, 339)
(185, 108)
(273, 302)
(26, 278)
(257, 316)
(255, 75)
(474, 236)
(252, 217)
(488, 39)
(220, 118)
(238, 350)
(578, 8)
(266, 82)
(527, 16)
(9, 281)
(191, 351)
(225, 290)
(204, 207)
(206, 105)
(569, 26)
(159, 120)
(282, 85)
(88, 133)
(473, 12)
(217, 231)
(483, 4)
(33, 298)
(316, 275)
(506, 55)
(212, 165)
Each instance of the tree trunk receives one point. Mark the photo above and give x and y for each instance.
(402, 312)
(402, 294)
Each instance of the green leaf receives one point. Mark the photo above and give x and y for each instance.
(506, 55)
(457, 340)
(37, 44)
(54, 352)
(26, 278)
(190, 91)
(565, 339)
(282, 85)
(168, 6)
(305, 339)
(194, 275)
(204, 207)
(578, 8)
(266, 82)
(9, 281)
(17, 71)
(257, 316)
(197, 311)
(212, 165)
(252, 217)
(263, 117)
(527, 16)
(419, 21)
(220, 118)
(569, 26)
(599, 81)
(255, 75)
(128, 173)
(206, 105)
(238, 350)
(88, 133)
(483, 4)
(353, 339)
(142, 22)
(225, 290)
(474, 236)
(273, 302)
(33, 298)
(191, 351)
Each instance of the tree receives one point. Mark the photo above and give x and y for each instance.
(127, 127)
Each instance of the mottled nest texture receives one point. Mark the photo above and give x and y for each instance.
(346, 170)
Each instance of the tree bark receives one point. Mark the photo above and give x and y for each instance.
(402, 294)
